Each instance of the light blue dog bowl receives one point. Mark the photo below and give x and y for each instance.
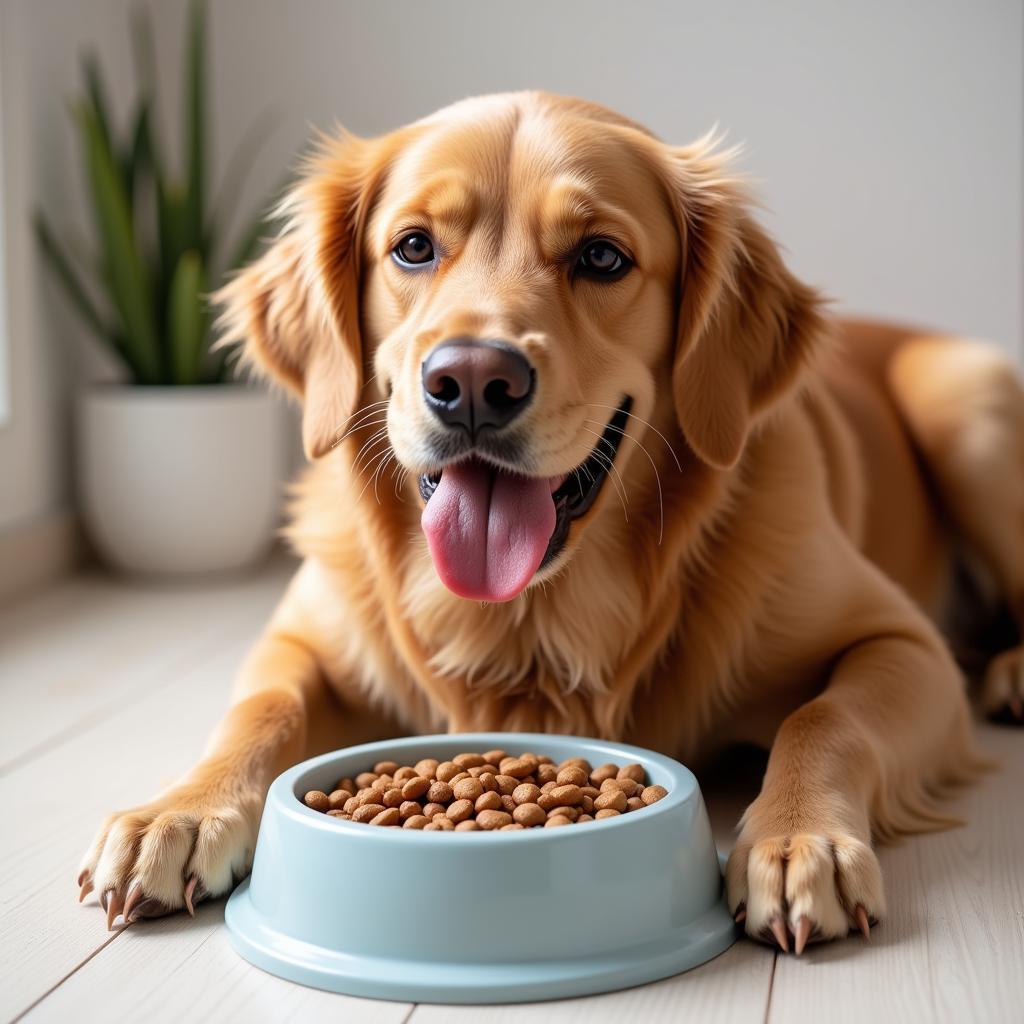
(481, 917)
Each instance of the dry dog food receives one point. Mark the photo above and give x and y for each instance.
(488, 791)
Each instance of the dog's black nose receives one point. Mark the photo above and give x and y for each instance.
(475, 384)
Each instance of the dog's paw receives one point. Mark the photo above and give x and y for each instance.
(186, 846)
(807, 886)
(1002, 693)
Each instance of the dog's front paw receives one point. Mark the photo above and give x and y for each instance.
(189, 844)
(805, 885)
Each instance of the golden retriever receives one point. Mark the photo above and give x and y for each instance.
(587, 458)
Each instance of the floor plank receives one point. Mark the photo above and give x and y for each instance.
(91, 643)
(53, 804)
(731, 989)
(952, 948)
(179, 969)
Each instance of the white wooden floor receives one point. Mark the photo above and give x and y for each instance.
(108, 689)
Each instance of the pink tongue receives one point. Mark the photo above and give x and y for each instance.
(487, 530)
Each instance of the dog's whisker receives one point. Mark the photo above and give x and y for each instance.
(609, 464)
(646, 423)
(370, 410)
(657, 475)
(381, 458)
(368, 446)
(371, 419)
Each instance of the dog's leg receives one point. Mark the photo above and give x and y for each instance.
(196, 839)
(864, 758)
(964, 404)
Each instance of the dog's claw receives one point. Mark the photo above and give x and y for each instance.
(778, 927)
(189, 890)
(82, 876)
(133, 898)
(114, 907)
(741, 914)
(86, 889)
(861, 917)
(802, 934)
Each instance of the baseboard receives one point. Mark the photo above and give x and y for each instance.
(38, 552)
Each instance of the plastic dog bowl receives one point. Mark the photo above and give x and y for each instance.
(481, 917)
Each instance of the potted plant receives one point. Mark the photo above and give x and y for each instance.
(179, 467)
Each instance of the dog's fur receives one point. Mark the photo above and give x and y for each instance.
(796, 490)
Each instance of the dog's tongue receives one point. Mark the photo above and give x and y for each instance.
(487, 530)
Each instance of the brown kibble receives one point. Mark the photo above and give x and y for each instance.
(487, 791)
(627, 786)
(415, 787)
(367, 812)
(556, 821)
(604, 771)
(439, 793)
(573, 775)
(489, 802)
(467, 789)
(490, 820)
(614, 799)
(506, 783)
(460, 810)
(566, 796)
(318, 800)
(517, 767)
(525, 794)
(529, 815)
(567, 812)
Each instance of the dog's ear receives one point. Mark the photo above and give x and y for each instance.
(746, 326)
(295, 311)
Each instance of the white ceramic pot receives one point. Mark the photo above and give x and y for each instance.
(180, 479)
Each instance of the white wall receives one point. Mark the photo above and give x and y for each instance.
(886, 137)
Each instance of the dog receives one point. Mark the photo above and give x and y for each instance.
(587, 458)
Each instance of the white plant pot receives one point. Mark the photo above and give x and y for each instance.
(180, 479)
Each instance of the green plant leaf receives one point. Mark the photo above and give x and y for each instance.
(129, 282)
(97, 94)
(187, 319)
(195, 133)
(65, 272)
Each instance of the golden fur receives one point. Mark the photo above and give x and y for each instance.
(795, 491)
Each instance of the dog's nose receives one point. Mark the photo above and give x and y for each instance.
(475, 384)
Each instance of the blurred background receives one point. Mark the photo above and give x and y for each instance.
(886, 140)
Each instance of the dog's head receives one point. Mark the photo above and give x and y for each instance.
(522, 282)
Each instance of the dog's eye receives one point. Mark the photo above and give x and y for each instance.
(601, 259)
(414, 249)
